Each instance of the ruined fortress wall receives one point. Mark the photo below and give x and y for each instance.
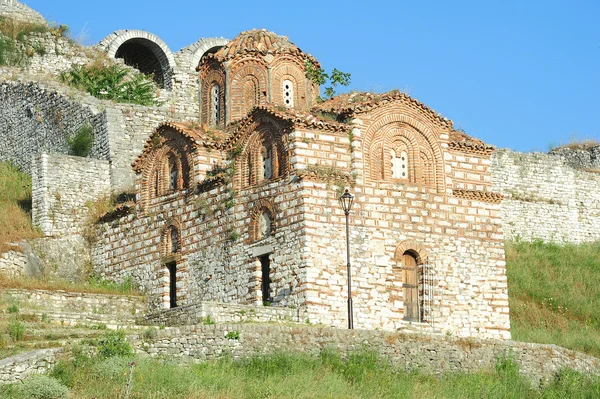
(62, 187)
(35, 120)
(19, 11)
(546, 198)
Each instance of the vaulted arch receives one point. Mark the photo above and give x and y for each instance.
(143, 51)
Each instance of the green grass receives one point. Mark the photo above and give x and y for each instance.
(362, 375)
(554, 294)
(15, 207)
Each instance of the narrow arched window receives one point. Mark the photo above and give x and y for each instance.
(267, 163)
(174, 240)
(215, 105)
(173, 173)
(288, 93)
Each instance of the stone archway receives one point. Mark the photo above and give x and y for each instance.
(143, 51)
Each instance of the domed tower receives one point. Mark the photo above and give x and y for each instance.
(257, 67)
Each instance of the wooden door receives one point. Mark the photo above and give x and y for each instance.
(410, 285)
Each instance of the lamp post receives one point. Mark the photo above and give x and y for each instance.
(346, 201)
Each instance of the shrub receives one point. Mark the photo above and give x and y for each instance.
(81, 143)
(112, 82)
(16, 330)
(149, 334)
(42, 387)
(13, 309)
(233, 335)
(114, 343)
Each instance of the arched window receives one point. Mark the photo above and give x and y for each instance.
(267, 163)
(215, 105)
(264, 158)
(173, 166)
(171, 241)
(174, 240)
(288, 93)
(156, 182)
(413, 308)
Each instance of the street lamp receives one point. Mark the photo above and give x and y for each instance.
(346, 201)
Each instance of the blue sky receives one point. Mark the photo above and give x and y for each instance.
(517, 74)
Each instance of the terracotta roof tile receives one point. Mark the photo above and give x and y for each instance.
(360, 102)
(198, 136)
(294, 117)
(257, 41)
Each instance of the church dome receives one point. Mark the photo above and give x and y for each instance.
(256, 41)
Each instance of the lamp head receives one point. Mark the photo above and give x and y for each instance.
(346, 201)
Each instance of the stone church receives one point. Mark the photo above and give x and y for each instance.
(243, 206)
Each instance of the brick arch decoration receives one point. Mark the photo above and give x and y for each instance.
(386, 127)
(165, 238)
(212, 74)
(420, 253)
(255, 214)
(154, 175)
(287, 67)
(242, 74)
(144, 51)
(265, 133)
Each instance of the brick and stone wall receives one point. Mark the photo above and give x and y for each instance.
(546, 198)
(432, 354)
(452, 227)
(35, 120)
(62, 186)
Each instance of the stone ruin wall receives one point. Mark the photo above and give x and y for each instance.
(19, 11)
(34, 120)
(63, 188)
(546, 198)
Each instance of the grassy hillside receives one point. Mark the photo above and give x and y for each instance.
(15, 207)
(554, 294)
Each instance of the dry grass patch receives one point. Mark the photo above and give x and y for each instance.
(15, 207)
(94, 286)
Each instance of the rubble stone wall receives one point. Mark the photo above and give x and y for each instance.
(433, 354)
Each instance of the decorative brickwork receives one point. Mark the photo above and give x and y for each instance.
(262, 221)
(212, 75)
(401, 148)
(289, 69)
(248, 87)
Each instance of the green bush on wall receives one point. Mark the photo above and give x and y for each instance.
(81, 143)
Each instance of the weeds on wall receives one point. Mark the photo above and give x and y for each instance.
(81, 143)
(112, 82)
(15, 48)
